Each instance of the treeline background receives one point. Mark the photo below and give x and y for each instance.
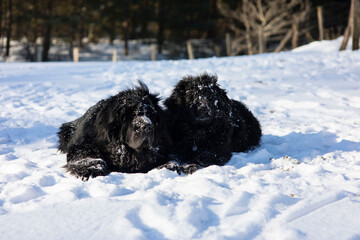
(254, 26)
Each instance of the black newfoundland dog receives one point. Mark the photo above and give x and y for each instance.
(206, 126)
(122, 133)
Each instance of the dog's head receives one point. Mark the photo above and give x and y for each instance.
(140, 132)
(142, 118)
(133, 118)
(199, 98)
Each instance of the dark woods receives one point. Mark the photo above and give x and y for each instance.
(254, 26)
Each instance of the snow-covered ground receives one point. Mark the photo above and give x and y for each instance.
(303, 182)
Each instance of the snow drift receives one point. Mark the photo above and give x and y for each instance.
(303, 182)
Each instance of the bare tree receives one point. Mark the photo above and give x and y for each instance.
(256, 23)
(353, 26)
(356, 24)
(8, 30)
(0, 26)
(47, 31)
(348, 29)
(161, 22)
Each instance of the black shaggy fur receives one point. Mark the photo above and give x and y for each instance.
(206, 126)
(122, 133)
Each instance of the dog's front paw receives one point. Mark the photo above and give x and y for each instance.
(87, 167)
(189, 168)
(172, 166)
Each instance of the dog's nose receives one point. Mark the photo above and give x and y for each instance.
(147, 127)
(203, 111)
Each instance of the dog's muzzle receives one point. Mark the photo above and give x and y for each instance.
(202, 110)
(141, 133)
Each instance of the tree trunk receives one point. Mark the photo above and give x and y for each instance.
(35, 36)
(112, 34)
(348, 29)
(91, 35)
(47, 33)
(356, 19)
(228, 44)
(247, 26)
(261, 39)
(160, 35)
(320, 17)
(71, 48)
(248, 42)
(81, 34)
(144, 20)
(295, 30)
(126, 37)
(46, 44)
(0, 26)
(9, 25)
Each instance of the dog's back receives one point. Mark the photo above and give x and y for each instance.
(247, 132)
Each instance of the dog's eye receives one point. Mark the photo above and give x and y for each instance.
(136, 128)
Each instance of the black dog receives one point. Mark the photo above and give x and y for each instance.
(207, 126)
(121, 133)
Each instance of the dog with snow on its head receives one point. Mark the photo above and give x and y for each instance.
(206, 126)
(121, 133)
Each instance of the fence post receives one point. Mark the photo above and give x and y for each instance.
(153, 50)
(228, 46)
(114, 56)
(76, 54)
(356, 25)
(320, 18)
(189, 50)
(295, 31)
(38, 52)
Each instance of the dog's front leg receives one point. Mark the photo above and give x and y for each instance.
(172, 166)
(87, 167)
(176, 167)
(189, 168)
(84, 161)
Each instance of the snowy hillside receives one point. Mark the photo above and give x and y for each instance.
(303, 182)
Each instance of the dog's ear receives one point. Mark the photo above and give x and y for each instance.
(207, 78)
(154, 98)
(109, 117)
(180, 87)
(143, 90)
(170, 103)
(177, 96)
(213, 80)
(102, 125)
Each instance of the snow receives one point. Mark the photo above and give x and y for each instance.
(303, 182)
